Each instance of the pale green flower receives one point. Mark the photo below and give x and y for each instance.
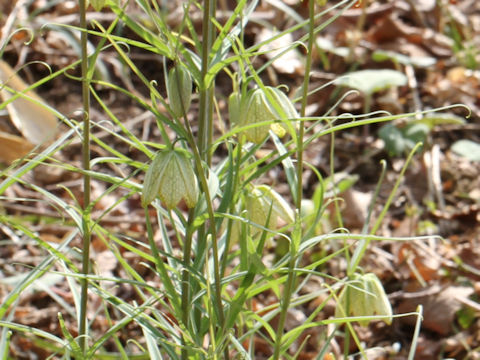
(364, 296)
(255, 107)
(170, 176)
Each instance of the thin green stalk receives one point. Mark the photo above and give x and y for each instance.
(362, 246)
(212, 229)
(187, 252)
(236, 178)
(205, 126)
(213, 233)
(395, 188)
(306, 83)
(416, 333)
(161, 268)
(82, 321)
(204, 140)
(383, 164)
(297, 233)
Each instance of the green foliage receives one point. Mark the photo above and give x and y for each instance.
(372, 81)
(198, 272)
(468, 149)
(97, 4)
(421, 62)
(399, 141)
(465, 317)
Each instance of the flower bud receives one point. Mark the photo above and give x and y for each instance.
(179, 90)
(256, 111)
(234, 108)
(171, 177)
(364, 296)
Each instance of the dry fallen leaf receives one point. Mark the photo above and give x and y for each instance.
(439, 308)
(289, 62)
(355, 208)
(34, 121)
(13, 147)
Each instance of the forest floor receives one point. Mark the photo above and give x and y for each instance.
(439, 195)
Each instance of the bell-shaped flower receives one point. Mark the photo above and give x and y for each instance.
(264, 206)
(364, 296)
(171, 177)
(283, 108)
(261, 105)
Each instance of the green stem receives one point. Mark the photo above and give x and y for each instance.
(395, 188)
(362, 247)
(301, 131)
(212, 229)
(82, 321)
(202, 148)
(236, 179)
(187, 253)
(213, 233)
(297, 233)
(205, 126)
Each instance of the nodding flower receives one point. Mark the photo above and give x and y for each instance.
(170, 176)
